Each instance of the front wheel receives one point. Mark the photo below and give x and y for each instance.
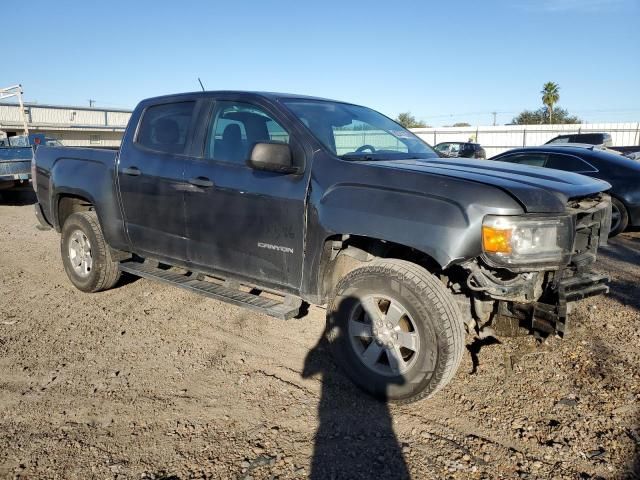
(619, 217)
(395, 330)
(85, 254)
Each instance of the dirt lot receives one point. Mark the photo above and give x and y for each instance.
(147, 381)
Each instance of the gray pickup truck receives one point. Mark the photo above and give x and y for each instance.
(270, 200)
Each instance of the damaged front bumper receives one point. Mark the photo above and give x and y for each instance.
(541, 300)
(553, 317)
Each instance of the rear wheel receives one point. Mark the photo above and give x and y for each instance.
(619, 217)
(85, 254)
(395, 330)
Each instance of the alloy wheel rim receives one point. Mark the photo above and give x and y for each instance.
(80, 253)
(615, 218)
(383, 335)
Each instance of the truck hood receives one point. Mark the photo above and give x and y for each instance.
(538, 189)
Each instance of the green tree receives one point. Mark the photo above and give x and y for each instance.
(540, 116)
(550, 96)
(409, 121)
(459, 124)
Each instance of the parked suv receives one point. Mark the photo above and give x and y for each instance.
(269, 200)
(460, 149)
(603, 139)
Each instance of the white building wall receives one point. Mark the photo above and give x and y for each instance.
(75, 126)
(76, 138)
(9, 114)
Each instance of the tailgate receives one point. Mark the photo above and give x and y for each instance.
(15, 163)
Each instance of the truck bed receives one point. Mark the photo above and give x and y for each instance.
(73, 169)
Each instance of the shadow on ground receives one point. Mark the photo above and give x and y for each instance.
(18, 198)
(355, 437)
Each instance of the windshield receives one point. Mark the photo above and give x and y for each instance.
(19, 141)
(354, 132)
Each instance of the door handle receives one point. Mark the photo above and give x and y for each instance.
(201, 182)
(133, 171)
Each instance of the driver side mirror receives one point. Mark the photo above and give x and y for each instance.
(272, 157)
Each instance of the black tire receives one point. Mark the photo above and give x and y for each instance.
(618, 208)
(104, 272)
(430, 309)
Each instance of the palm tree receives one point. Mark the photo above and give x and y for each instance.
(550, 96)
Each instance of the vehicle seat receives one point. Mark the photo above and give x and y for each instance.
(230, 148)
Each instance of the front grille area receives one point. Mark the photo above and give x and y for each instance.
(592, 217)
(15, 168)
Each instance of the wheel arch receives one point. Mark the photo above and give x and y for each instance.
(342, 253)
(68, 203)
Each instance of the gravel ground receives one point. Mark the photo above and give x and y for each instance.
(150, 382)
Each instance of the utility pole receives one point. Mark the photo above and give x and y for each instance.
(91, 103)
(494, 117)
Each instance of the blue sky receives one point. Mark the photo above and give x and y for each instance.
(444, 61)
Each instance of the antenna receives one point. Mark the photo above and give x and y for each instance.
(201, 86)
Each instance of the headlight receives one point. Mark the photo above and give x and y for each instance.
(527, 240)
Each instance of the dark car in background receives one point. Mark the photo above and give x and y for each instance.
(598, 139)
(460, 149)
(621, 172)
(603, 139)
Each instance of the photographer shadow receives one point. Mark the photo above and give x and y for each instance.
(355, 437)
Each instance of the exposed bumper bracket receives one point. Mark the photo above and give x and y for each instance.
(551, 318)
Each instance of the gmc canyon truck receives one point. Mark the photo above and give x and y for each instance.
(270, 200)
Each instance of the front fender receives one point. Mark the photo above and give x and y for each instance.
(437, 215)
(443, 223)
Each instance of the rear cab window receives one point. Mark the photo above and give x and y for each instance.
(165, 128)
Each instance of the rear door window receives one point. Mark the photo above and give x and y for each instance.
(569, 163)
(533, 159)
(588, 138)
(455, 148)
(165, 128)
(442, 147)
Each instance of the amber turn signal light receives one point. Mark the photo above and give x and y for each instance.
(496, 240)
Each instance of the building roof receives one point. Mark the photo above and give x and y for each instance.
(65, 107)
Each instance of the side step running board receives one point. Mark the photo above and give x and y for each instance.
(285, 310)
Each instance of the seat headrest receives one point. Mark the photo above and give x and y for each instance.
(232, 133)
(167, 131)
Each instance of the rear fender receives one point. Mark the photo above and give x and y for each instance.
(91, 180)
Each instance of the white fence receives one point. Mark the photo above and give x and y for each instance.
(497, 139)
(347, 141)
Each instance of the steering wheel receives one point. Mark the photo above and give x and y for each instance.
(362, 148)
